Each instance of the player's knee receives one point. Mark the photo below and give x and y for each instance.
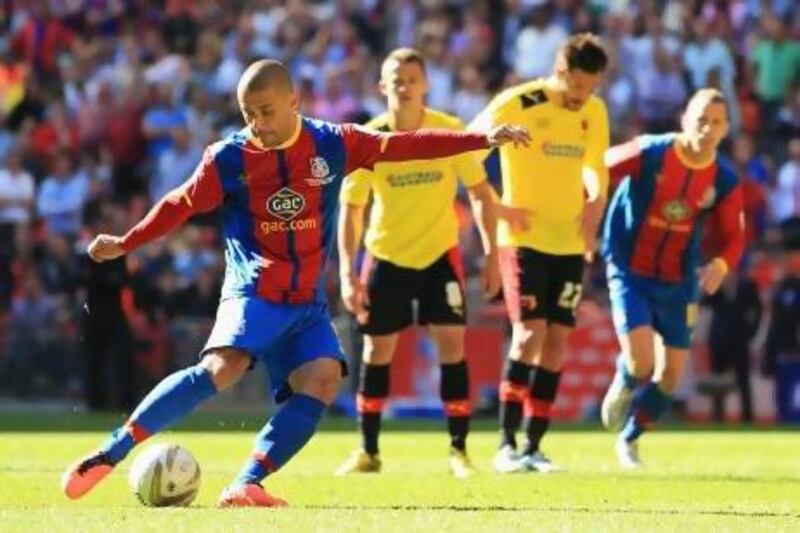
(226, 366)
(667, 381)
(377, 352)
(450, 348)
(323, 386)
(526, 342)
(640, 369)
(554, 351)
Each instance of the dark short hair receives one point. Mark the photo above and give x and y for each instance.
(264, 74)
(585, 52)
(405, 55)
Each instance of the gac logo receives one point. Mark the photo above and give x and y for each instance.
(285, 204)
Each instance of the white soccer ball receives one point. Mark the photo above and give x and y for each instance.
(165, 475)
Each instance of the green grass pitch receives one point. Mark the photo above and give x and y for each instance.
(706, 479)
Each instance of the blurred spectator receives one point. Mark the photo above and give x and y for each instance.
(749, 161)
(783, 337)
(202, 118)
(660, 92)
(176, 163)
(13, 74)
(41, 39)
(776, 59)
(110, 375)
(789, 115)
(61, 197)
(754, 193)
(337, 104)
(197, 254)
(160, 118)
(57, 132)
(537, 44)
(33, 353)
(439, 70)
(785, 198)
(16, 203)
(60, 269)
(200, 299)
(706, 56)
(735, 316)
(472, 95)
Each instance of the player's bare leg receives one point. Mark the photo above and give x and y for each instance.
(315, 385)
(651, 401)
(634, 364)
(527, 343)
(176, 396)
(373, 390)
(455, 393)
(543, 386)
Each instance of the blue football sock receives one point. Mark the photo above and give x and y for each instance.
(649, 403)
(175, 397)
(284, 435)
(624, 373)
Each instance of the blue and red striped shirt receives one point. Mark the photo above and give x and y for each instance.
(655, 219)
(280, 205)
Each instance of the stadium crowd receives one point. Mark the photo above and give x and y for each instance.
(105, 105)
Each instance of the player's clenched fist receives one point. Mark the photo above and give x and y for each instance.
(712, 275)
(105, 248)
(355, 297)
(506, 133)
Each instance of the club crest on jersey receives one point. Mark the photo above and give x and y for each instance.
(321, 172)
(676, 211)
(285, 204)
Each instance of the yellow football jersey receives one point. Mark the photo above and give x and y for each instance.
(547, 177)
(413, 220)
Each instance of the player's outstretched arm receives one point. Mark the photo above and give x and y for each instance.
(729, 217)
(366, 147)
(624, 160)
(201, 193)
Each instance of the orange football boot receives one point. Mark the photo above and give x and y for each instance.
(249, 495)
(81, 477)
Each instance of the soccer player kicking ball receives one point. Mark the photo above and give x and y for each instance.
(277, 182)
(559, 182)
(670, 184)
(412, 243)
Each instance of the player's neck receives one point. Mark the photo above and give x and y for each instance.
(406, 118)
(694, 154)
(291, 134)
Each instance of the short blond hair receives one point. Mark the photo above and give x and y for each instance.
(402, 56)
(705, 96)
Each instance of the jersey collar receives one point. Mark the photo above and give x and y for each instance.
(393, 127)
(283, 146)
(678, 147)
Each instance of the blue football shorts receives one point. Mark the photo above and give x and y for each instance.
(284, 337)
(669, 308)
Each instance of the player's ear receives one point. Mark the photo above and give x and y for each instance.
(382, 87)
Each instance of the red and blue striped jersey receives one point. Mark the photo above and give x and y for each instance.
(655, 219)
(280, 206)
